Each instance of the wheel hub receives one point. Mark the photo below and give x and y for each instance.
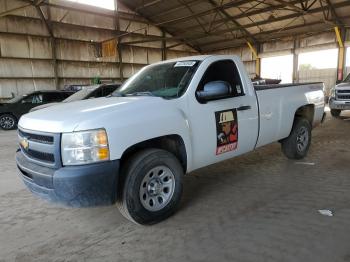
(157, 188)
(6, 122)
(302, 138)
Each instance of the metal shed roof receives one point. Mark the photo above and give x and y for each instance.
(211, 25)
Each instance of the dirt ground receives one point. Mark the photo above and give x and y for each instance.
(257, 207)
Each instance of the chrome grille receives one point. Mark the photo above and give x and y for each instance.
(40, 147)
(343, 91)
(344, 97)
(40, 155)
(35, 137)
(343, 94)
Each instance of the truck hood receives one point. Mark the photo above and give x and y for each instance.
(75, 116)
(343, 86)
(43, 106)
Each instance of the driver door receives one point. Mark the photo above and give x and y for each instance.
(225, 127)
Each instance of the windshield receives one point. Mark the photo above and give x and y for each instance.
(168, 80)
(347, 79)
(80, 95)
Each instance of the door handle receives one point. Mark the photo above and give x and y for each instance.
(242, 108)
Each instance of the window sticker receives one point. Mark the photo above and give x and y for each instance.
(226, 131)
(185, 63)
(239, 89)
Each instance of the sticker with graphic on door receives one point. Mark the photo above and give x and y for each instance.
(226, 131)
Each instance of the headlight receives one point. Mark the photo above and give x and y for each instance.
(333, 92)
(84, 147)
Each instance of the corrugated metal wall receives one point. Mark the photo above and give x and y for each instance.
(327, 76)
(27, 62)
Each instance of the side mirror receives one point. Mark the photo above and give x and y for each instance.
(214, 90)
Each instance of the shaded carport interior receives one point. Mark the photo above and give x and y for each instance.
(256, 207)
(255, 29)
(214, 25)
(48, 44)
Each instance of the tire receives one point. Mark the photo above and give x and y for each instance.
(296, 145)
(8, 122)
(335, 112)
(152, 187)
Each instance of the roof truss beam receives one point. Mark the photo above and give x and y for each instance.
(246, 14)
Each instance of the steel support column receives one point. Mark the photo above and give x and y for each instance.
(119, 39)
(163, 46)
(341, 54)
(256, 57)
(296, 61)
(48, 26)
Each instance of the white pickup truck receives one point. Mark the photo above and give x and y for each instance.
(171, 118)
(340, 97)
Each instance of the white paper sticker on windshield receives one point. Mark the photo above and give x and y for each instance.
(185, 63)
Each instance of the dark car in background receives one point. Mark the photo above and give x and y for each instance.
(12, 110)
(86, 92)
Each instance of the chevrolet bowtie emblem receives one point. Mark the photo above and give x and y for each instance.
(24, 143)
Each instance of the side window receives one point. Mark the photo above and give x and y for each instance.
(27, 99)
(52, 97)
(33, 99)
(97, 93)
(224, 70)
(109, 90)
(66, 95)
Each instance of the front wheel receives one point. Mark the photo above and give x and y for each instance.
(8, 122)
(296, 145)
(335, 112)
(152, 186)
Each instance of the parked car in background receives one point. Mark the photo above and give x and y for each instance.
(340, 97)
(12, 110)
(74, 88)
(86, 93)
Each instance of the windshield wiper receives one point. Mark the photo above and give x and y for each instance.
(145, 93)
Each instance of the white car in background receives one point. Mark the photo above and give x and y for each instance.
(87, 92)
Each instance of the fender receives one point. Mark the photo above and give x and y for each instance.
(143, 121)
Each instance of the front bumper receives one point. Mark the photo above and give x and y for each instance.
(339, 104)
(85, 185)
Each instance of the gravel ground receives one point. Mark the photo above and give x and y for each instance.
(257, 207)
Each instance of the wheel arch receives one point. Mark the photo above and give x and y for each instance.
(171, 143)
(307, 112)
(9, 113)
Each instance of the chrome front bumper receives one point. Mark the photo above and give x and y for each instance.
(339, 104)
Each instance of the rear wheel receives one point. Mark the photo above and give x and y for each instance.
(335, 112)
(296, 145)
(8, 122)
(152, 186)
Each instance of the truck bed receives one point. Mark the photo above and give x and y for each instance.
(273, 86)
(278, 104)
